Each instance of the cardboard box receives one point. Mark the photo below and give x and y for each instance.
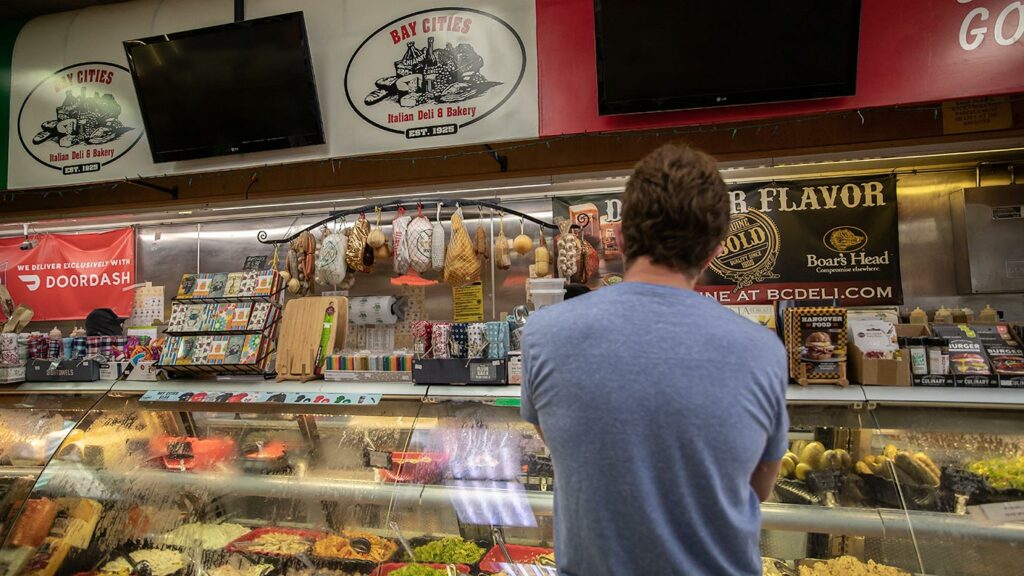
(480, 371)
(12, 374)
(878, 371)
(146, 371)
(83, 370)
(110, 371)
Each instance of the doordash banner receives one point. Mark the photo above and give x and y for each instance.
(66, 276)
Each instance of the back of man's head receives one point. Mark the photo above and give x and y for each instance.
(675, 209)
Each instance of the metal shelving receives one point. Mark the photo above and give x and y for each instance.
(870, 522)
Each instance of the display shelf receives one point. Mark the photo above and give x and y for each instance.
(884, 523)
(788, 517)
(214, 369)
(19, 471)
(271, 298)
(1006, 398)
(249, 384)
(97, 387)
(211, 332)
(452, 392)
(824, 395)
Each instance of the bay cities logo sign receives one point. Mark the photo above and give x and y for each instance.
(434, 72)
(81, 118)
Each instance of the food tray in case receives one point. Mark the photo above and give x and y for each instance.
(241, 544)
(495, 561)
(385, 569)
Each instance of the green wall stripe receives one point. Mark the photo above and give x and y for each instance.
(8, 34)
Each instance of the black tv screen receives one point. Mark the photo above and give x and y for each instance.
(657, 55)
(241, 87)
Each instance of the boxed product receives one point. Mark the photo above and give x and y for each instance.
(460, 371)
(816, 341)
(81, 370)
(1003, 353)
(12, 374)
(874, 354)
(874, 338)
(763, 314)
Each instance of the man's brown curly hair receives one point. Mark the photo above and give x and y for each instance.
(675, 210)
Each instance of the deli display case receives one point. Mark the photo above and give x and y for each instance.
(190, 478)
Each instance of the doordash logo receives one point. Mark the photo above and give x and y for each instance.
(31, 281)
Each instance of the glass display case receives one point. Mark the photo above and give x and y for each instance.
(450, 477)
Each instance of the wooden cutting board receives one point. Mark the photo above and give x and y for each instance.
(311, 328)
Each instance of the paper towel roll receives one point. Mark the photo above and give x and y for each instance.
(372, 310)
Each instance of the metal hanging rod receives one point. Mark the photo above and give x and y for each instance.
(390, 206)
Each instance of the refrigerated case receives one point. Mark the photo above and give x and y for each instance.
(376, 481)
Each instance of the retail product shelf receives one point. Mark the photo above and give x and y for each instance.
(826, 395)
(18, 471)
(390, 389)
(98, 387)
(442, 392)
(1007, 398)
(501, 495)
(885, 523)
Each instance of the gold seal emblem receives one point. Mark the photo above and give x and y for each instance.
(750, 249)
(845, 239)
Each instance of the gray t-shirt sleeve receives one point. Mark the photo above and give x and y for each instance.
(778, 439)
(527, 409)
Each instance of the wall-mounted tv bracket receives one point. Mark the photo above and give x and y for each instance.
(141, 183)
(394, 206)
(499, 158)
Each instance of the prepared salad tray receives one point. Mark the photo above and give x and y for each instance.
(417, 569)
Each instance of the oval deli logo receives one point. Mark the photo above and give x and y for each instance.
(749, 250)
(434, 72)
(845, 239)
(81, 118)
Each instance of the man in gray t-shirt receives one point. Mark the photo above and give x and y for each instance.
(665, 413)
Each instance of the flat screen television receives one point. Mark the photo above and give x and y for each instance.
(240, 87)
(656, 55)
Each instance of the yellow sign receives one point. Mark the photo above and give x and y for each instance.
(468, 303)
(978, 115)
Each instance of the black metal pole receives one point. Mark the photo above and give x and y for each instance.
(389, 206)
(239, 10)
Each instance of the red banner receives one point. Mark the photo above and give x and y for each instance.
(66, 276)
(910, 51)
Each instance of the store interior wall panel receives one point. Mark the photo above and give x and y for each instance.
(167, 251)
(926, 244)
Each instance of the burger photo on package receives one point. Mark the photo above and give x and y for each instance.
(970, 364)
(818, 346)
(1007, 365)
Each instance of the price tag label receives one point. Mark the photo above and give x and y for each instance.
(483, 372)
(999, 513)
(255, 263)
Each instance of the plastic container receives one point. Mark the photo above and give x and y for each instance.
(542, 298)
(918, 316)
(546, 283)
